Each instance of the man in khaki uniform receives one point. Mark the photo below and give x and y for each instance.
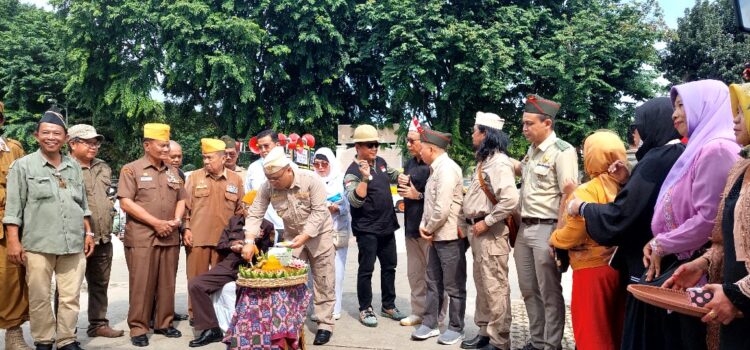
(299, 197)
(84, 143)
(14, 310)
(446, 263)
(152, 194)
(232, 157)
(214, 196)
(487, 204)
(46, 197)
(549, 163)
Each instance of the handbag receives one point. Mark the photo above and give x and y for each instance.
(509, 221)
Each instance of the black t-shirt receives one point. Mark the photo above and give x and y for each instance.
(419, 172)
(376, 215)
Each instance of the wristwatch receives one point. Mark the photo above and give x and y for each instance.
(250, 241)
(420, 195)
(90, 234)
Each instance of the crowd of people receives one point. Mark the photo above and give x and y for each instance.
(670, 211)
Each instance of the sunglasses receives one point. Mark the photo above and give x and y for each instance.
(370, 145)
(320, 164)
(411, 141)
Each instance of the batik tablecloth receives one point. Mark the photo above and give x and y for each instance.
(269, 318)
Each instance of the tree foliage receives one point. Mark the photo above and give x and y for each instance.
(239, 66)
(706, 45)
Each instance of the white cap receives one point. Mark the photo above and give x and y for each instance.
(491, 120)
(275, 160)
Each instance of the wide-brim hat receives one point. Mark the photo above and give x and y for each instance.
(365, 133)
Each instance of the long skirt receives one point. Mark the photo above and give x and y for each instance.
(597, 308)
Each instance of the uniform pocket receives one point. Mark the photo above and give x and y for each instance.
(201, 192)
(40, 188)
(147, 191)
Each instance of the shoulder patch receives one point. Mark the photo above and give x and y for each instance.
(127, 171)
(562, 145)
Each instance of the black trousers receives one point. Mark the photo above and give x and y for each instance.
(202, 286)
(98, 267)
(383, 248)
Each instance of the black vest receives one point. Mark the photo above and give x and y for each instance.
(377, 214)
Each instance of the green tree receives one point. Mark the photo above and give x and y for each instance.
(706, 45)
(31, 67)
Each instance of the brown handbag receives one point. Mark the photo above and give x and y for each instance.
(509, 221)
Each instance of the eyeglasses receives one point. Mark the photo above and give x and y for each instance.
(266, 146)
(320, 164)
(277, 177)
(370, 145)
(92, 145)
(411, 141)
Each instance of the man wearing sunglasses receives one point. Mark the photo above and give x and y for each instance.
(367, 186)
(299, 197)
(46, 196)
(84, 143)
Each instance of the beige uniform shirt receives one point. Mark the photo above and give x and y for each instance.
(545, 169)
(442, 199)
(242, 172)
(497, 172)
(302, 208)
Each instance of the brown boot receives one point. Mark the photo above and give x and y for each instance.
(106, 332)
(14, 339)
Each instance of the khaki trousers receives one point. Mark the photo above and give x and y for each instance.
(540, 286)
(199, 261)
(492, 315)
(69, 271)
(324, 277)
(151, 276)
(14, 294)
(417, 250)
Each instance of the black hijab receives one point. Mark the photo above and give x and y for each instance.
(653, 120)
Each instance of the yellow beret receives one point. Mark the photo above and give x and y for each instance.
(156, 131)
(275, 160)
(249, 197)
(212, 145)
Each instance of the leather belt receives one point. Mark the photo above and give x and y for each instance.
(537, 221)
(475, 220)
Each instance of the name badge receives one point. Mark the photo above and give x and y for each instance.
(232, 189)
(146, 178)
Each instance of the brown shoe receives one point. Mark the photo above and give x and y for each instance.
(107, 332)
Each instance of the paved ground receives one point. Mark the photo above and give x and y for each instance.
(348, 334)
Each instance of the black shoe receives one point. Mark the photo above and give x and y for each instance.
(208, 336)
(322, 337)
(529, 346)
(43, 346)
(72, 346)
(475, 343)
(140, 340)
(170, 332)
(489, 347)
(180, 317)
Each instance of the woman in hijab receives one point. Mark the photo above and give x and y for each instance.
(597, 306)
(327, 167)
(726, 261)
(626, 222)
(689, 198)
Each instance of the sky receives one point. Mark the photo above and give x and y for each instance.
(673, 9)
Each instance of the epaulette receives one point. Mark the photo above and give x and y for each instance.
(562, 145)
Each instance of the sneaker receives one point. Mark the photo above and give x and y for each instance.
(450, 337)
(368, 318)
(412, 320)
(393, 314)
(336, 316)
(424, 332)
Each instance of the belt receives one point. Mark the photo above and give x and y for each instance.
(475, 220)
(537, 221)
